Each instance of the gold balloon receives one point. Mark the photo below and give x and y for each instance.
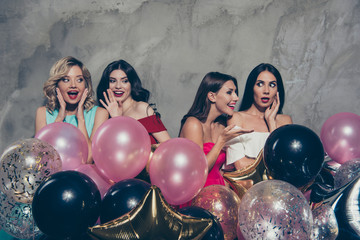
(152, 218)
(243, 179)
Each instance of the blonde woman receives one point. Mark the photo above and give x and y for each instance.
(69, 98)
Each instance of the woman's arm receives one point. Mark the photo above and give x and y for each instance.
(101, 116)
(145, 110)
(243, 162)
(40, 118)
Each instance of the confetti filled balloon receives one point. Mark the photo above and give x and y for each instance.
(24, 165)
(325, 224)
(347, 172)
(223, 203)
(275, 209)
(16, 218)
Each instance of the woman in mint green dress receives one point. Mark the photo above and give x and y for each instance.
(69, 98)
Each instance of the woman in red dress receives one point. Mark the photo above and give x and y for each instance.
(121, 93)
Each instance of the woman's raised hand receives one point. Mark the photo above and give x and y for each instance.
(112, 106)
(271, 112)
(232, 131)
(80, 108)
(62, 110)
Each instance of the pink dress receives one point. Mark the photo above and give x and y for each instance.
(214, 176)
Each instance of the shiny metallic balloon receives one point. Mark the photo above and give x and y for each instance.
(152, 218)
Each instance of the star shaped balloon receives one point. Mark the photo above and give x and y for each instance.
(243, 179)
(152, 218)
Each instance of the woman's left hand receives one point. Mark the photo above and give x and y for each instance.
(271, 112)
(80, 108)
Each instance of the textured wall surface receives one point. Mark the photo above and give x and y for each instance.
(173, 44)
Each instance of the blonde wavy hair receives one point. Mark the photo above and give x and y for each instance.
(57, 72)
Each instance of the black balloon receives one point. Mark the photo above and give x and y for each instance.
(122, 197)
(215, 232)
(293, 153)
(66, 204)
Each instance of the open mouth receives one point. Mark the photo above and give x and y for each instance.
(265, 100)
(232, 106)
(118, 93)
(73, 94)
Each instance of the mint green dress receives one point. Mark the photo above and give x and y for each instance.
(89, 117)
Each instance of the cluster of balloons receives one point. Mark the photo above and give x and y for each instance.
(46, 176)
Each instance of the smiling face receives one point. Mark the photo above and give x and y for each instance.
(119, 85)
(265, 90)
(226, 98)
(72, 86)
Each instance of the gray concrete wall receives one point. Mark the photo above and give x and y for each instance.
(173, 44)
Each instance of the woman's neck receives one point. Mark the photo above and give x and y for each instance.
(128, 104)
(256, 111)
(212, 116)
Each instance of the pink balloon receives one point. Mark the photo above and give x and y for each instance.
(101, 182)
(121, 148)
(179, 168)
(340, 135)
(68, 141)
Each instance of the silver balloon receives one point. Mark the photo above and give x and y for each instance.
(325, 224)
(16, 219)
(347, 172)
(24, 165)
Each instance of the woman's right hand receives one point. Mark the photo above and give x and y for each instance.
(62, 111)
(112, 106)
(231, 131)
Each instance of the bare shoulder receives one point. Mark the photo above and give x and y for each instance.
(193, 130)
(41, 111)
(102, 111)
(101, 115)
(40, 118)
(283, 119)
(237, 118)
(143, 109)
(192, 124)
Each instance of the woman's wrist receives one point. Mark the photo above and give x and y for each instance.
(59, 119)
